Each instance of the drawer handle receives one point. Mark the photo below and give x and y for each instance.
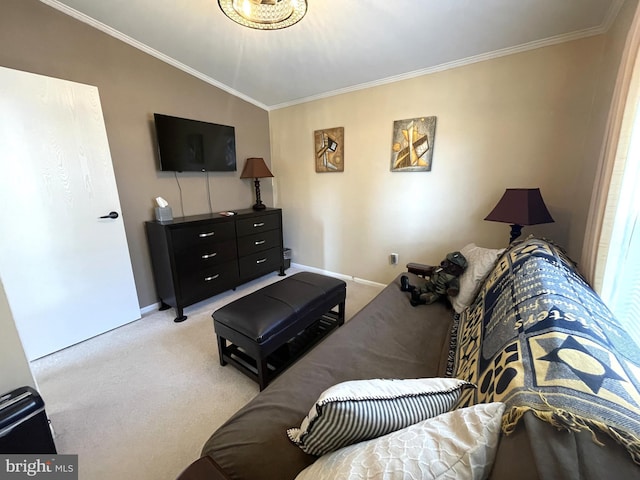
(261, 224)
(208, 279)
(208, 234)
(260, 242)
(209, 255)
(262, 260)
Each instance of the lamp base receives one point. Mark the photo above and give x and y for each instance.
(516, 230)
(259, 205)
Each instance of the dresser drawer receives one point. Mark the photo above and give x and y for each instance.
(197, 257)
(201, 234)
(201, 284)
(203, 256)
(258, 242)
(249, 226)
(260, 263)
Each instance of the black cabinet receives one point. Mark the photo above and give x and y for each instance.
(199, 256)
(24, 427)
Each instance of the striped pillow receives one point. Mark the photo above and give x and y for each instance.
(359, 410)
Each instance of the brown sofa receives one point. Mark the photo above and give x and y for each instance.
(388, 338)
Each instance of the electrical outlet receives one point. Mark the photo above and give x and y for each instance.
(393, 258)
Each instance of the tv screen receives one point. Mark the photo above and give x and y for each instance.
(194, 146)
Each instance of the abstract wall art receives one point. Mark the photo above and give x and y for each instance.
(329, 149)
(412, 144)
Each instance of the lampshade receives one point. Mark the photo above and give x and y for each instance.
(255, 168)
(264, 14)
(520, 206)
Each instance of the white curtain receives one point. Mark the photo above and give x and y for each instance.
(611, 253)
(608, 181)
(621, 283)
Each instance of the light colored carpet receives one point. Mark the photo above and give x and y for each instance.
(141, 400)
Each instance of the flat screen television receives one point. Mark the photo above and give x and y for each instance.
(194, 146)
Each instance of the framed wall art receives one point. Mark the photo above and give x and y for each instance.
(412, 144)
(329, 149)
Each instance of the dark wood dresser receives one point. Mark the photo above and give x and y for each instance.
(199, 256)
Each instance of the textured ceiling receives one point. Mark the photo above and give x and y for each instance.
(340, 45)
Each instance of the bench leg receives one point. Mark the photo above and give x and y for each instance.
(222, 346)
(341, 313)
(263, 372)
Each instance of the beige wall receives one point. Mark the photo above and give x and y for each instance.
(522, 120)
(132, 86)
(15, 371)
(525, 120)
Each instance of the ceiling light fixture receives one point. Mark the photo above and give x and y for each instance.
(264, 14)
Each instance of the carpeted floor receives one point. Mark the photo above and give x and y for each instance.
(140, 401)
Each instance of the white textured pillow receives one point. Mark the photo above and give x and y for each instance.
(457, 445)
(480, 261)
(358, 410)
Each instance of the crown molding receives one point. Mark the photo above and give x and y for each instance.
(462, 62)
(147, 49)
(602, 28)
(612, 14)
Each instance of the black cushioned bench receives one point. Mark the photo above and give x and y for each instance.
(272, 327)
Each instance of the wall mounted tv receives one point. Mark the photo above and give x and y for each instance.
(194, 146)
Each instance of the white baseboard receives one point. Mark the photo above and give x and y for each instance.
(149, 308)
(342, 276)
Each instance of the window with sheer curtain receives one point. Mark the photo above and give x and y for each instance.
(611, 253)
(621, 282)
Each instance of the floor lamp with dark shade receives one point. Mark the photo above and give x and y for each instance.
(256, 168)
(518, 207)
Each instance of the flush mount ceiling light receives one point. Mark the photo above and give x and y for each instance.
(264, 14)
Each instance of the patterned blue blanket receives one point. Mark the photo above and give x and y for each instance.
(539, 339)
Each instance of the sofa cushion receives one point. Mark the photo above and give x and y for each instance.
(358, 410)
(458, 445)
(480, 261)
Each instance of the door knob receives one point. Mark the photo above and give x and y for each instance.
(111, 215)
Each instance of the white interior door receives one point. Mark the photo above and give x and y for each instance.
(67, 273)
